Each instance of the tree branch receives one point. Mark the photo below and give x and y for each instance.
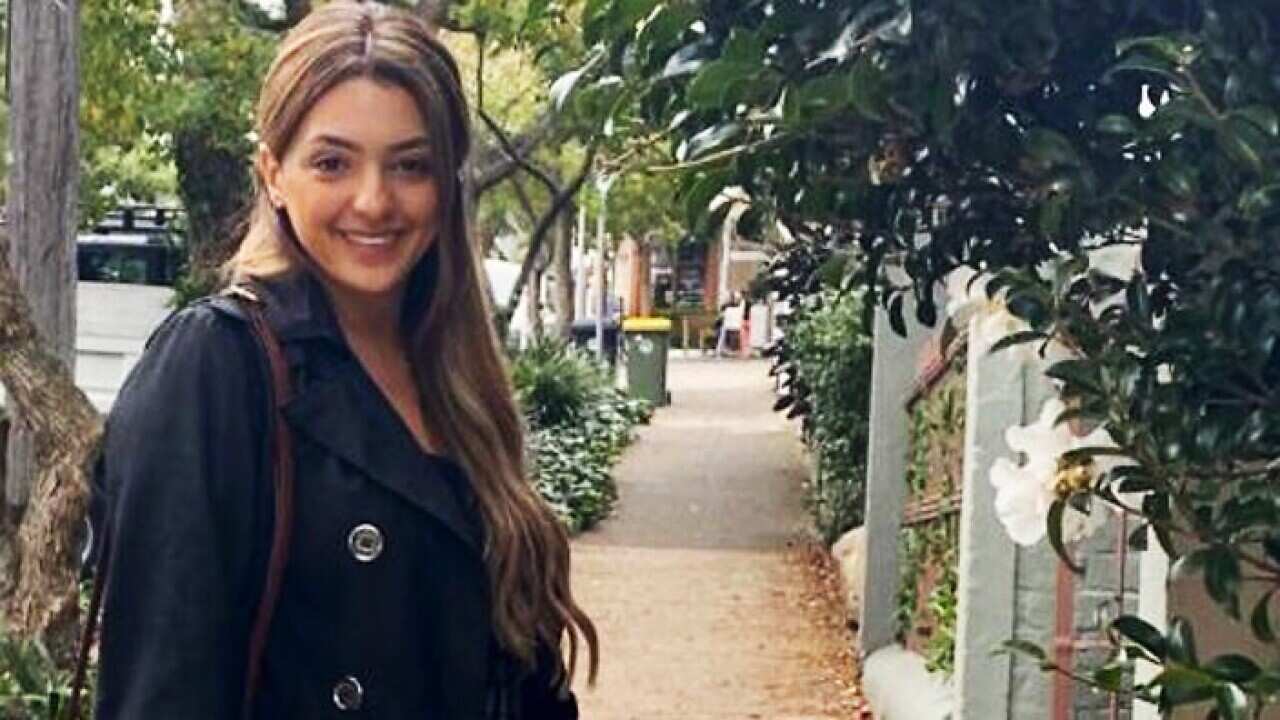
(559, 202)
(496, 163)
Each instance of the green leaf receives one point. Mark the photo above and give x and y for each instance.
(1243, 143)
(699, 195)
(710, 139)
(1177, 177)
(743, 46)
(1025, 647)
(1261, 116)
(535, 11)
(1181, 642)
(1116, 125)
(1050, 148)
(1021, 337)
(663, 29)
(1170, 49)
(817, 99)
(1144, 64)
(1110, 677)
(1260, 619)
(1222, 578)
(720, 84)
(564, 85)
(1233, 668)
(687, 60)
(1183, 685)
(1233, 703)
(869, 90)
(846, 42)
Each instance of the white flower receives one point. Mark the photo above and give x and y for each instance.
(1024, 493)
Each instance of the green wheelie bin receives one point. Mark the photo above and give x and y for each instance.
(646, 343)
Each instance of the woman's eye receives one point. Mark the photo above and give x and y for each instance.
(329, 164)
(419, 166)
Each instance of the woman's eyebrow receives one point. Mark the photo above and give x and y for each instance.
(413, 143)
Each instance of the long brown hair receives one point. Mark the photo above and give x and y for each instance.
(455, 354)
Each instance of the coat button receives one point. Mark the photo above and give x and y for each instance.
(365, 542)
(348, 694)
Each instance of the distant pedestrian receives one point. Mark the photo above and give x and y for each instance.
(730, 326)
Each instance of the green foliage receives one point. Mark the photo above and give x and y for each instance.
(1006, 136)
(929, 552)
(31, 685)
(124, 66)
(571, 463)
(830, 354)
(930, 548)
(556, 383)
(578, 426)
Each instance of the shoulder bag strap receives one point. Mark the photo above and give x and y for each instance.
(283, 480)
(281, 390)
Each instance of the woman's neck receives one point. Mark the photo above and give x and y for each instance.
(368, 320)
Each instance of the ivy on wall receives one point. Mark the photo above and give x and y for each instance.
(929, 543)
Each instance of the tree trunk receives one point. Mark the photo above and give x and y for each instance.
(533, 293)
(44, 480)
(42, 180)
(215, 185)
(562, 268)
(65, 431)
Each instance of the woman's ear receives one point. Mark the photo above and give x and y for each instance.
(268, 167)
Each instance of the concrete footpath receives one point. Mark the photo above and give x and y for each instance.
(693, 583)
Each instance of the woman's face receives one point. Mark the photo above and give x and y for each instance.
(358, 186)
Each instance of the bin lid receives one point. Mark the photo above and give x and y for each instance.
(646, 324)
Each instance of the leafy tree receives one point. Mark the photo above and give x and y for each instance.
(125, 87)
(1010, 136)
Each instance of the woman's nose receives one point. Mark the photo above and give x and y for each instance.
(373, 194)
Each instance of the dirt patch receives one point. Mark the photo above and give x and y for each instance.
(818, 598)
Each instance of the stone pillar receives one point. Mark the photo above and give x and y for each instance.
(893, 374)
(987, 556)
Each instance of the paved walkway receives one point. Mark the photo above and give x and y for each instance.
(691, 583)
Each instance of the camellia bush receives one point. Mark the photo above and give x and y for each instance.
(1024, 141)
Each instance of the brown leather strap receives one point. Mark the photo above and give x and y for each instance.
(90, 623)
(282, 456)
(281, 390)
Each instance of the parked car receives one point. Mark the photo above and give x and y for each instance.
(126, 266)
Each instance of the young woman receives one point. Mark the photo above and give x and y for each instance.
(426, 578)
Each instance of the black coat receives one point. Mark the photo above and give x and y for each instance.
(384, 607)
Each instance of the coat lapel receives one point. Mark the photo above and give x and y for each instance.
(338, 407)
(351, 421)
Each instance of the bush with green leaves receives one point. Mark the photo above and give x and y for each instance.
(825, 358)
(556, 382)
(578, 426)
(31, 685)
(1002, 135)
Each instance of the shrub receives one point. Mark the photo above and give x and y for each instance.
(578, 426)
(556, 382)
(829, 356)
